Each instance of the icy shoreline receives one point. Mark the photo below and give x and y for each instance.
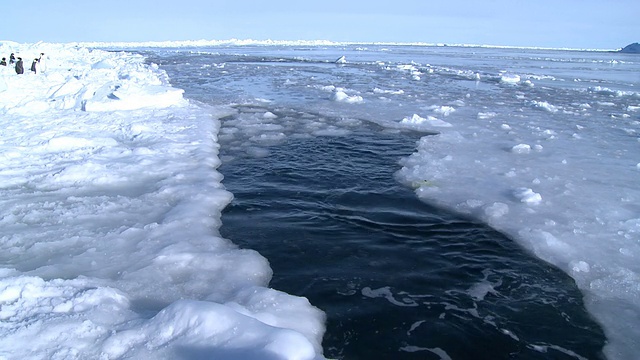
(110, 213)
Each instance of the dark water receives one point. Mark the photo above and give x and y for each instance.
(340, 231)
(397, 278)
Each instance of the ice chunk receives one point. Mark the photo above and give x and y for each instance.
(527, 196)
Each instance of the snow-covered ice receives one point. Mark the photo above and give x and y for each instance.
(110, 210)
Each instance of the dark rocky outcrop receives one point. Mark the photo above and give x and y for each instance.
(631, 48)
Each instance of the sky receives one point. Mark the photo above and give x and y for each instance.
(591, 24)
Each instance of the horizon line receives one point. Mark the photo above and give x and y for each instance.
(271, 42)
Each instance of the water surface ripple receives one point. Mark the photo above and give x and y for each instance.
(397, 278)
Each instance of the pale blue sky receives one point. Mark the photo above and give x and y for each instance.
(596, 24)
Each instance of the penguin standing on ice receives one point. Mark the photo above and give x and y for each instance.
(19, 66)
(34, 65)
(42, 63)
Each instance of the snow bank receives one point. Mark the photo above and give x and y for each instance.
(110, 209)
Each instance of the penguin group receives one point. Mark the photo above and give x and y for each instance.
(37, 66)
